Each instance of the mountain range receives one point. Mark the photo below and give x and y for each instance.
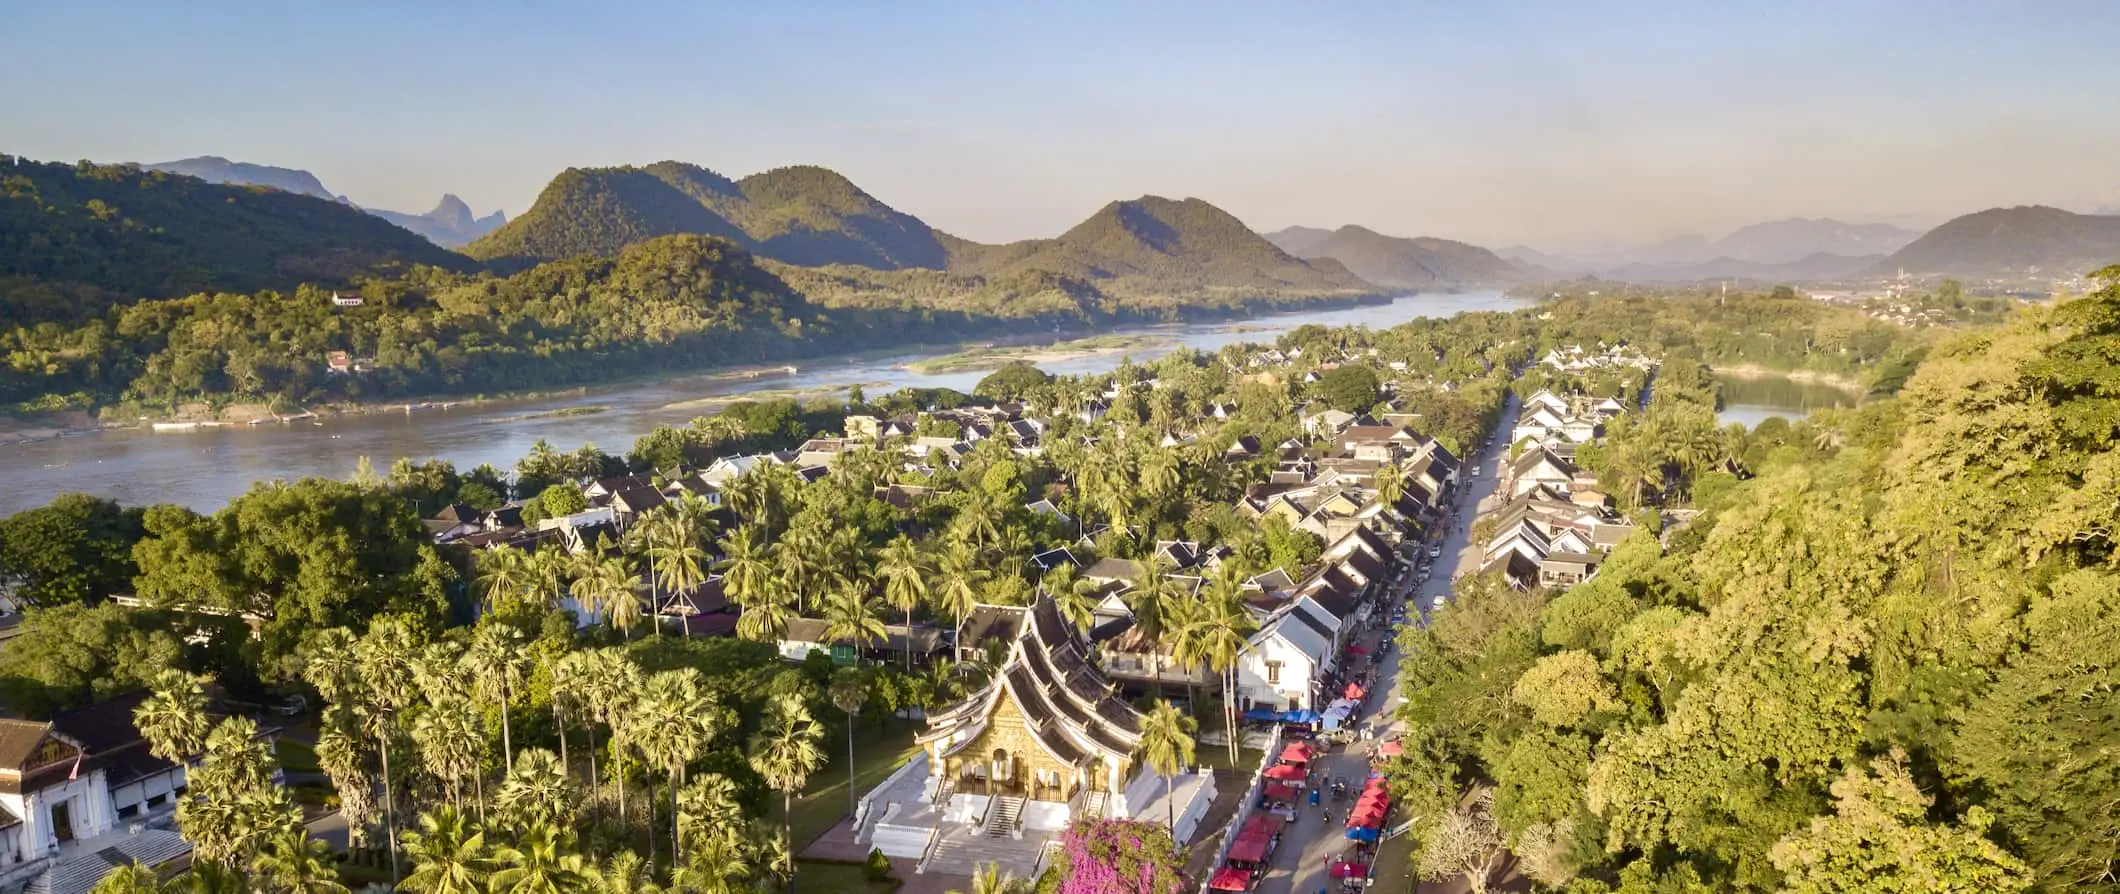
(2024, 239)
(811, 217)
(1422, 262)
(1797, 245)
(450, 224)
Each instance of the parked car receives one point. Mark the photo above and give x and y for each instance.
(1435, 552)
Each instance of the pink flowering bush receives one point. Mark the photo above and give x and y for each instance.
(1119, 857)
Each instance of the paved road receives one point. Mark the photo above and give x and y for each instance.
(1299, 866)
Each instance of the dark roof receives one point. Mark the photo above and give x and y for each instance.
(639, 499)
(18, 738)
(1055, 557)
(1304, 618)
(988, 622)
(1113, 569)
(708, 598)
(460, 513)
(618, 483)
(924, 640)
(104, 726)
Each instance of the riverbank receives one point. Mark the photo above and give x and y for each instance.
(995, 357)
(1808, 377)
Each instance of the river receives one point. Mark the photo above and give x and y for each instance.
(1752, 400)
(204, 469)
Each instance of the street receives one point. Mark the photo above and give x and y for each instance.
(1299, 866)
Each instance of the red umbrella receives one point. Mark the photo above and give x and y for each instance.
(1354, 690)
(1285, 772)
(1230, 879)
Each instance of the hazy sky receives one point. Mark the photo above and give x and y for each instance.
(1499, 122)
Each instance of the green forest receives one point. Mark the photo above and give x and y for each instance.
(1882, 656)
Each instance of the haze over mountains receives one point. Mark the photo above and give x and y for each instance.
(2026, 238)
(1795, 248)
(450, 225)
(1424, 262)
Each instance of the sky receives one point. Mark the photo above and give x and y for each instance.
(1566, 125)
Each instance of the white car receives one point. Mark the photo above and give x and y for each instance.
(1435, 552)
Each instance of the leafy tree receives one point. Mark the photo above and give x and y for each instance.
(1351, 387)
(77, 548)
(1880, 839)
(1013, 381)
(73, 655)
(173, 717)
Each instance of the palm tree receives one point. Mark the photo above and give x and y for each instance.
(611, 684)
(849, 691)
(505, 571)
(785, 753)
(339, 756)
(1074, 596)
(1222, 632)
(131, 878)
(541, 862)
(904, 571)
(1153, 601)
(990, 879)
(450, 742)
(978, 522)
(383, 656)
(675, 720)
(765, 618)
(494, 666)
(536, 792)
(173, 718)
(295, 863)
(1167, 748)
(448, 855)
(1391, 484)
(626, 873)
(802, 566)
(853, 617)
(748, 570)
(604, 589)
(208, 878)
(674, 550)
(959, 578)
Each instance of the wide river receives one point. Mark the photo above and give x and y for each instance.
(204, 469)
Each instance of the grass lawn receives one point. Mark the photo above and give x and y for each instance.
(295, 757)
(814, 877)
(878, 751)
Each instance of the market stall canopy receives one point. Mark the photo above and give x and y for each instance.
(1297, 753)
(1350, 870)
(1279, 791)
(1230, 879)
(1285, 772)
(1391, 749)
(1354, 690)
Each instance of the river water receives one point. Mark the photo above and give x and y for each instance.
(204, 469)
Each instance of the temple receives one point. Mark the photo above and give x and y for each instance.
(1046, 742)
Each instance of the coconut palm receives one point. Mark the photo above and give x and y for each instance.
(448, 854)
(903, 569)
(208, 878)
(494, 666)
(604, 589)
(1153, 602)
(853, 617)
(131, 878)
(294, 863)
(1167, 748)
(802, 567)
(785, 753)
(505, 573)
(765, 618)
(748, 570)
(626, 873)
(978, 522)
(173, 717)
(543, 861)
(1217, 637)
(450, 742)
(383, 658)
(536, 792)
(958, 578)
(674, 555)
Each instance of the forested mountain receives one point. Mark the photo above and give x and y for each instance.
(1398, 261)
(2001, 240)
(800, 215)
(76, 239)
(450, 224)
(215, 169)
(1154, 243)
(1797, 238)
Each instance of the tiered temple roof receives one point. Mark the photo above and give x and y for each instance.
(1073, 712)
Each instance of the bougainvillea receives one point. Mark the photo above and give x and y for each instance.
(1119, 857)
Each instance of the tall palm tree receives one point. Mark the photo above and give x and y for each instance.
(494, 665)
(131, 878)
(536, 792)
(294, 863)
(449, 855)
(1391, 484)
(542, 861)
(612, 683)
(785, 753)
(1167, 748)
(958, 580)
(852, 616)
(1153, 601)
(450, 742)
(978, 522)
(674, 721)
(903, 569)
(339, 755)
(604, 589)
(679, 563)
(802, 566)
(547, 575)
(748, 570)
(1224, 628)
(173, 717)
(383, 656)
(765, 618)
(849, 691)
(505, 573)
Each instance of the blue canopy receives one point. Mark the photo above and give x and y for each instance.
(1364, 834)
(1268, 715)
(1263, 715)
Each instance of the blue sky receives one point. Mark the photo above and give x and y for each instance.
(1560, 123)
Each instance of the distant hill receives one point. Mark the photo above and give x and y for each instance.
(450, 224)
(2012, 240)
(1782, 241)
(1398, 261)
(1157, 244)
(215, 169)
(1814, 267)
(799, 215)
(76, 239)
